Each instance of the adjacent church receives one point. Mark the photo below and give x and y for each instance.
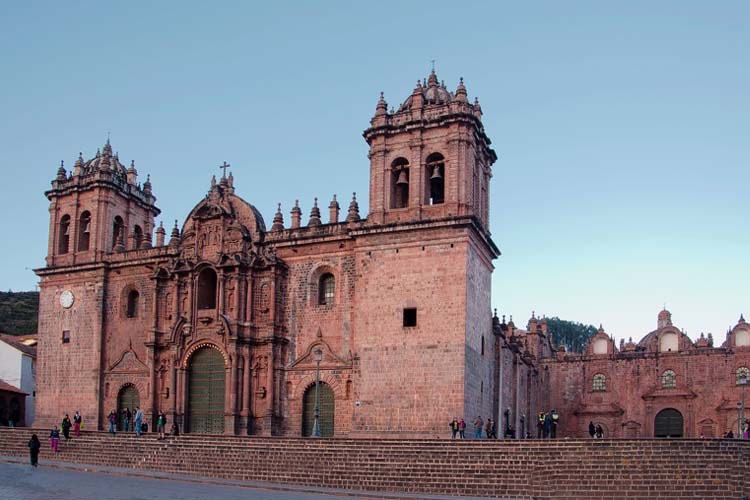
(226, 323)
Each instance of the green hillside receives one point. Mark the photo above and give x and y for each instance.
(18, 312)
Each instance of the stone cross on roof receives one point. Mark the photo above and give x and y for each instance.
(225, 167)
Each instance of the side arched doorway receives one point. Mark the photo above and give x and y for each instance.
(668, 423)
(127, 398)
(327, 406)
(205, 401)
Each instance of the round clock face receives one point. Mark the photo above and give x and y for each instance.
(66, 299)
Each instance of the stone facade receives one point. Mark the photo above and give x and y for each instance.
(665, 385)
(394, 308)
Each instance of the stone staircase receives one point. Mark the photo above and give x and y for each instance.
(533, 469)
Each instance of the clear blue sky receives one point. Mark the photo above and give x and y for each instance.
(621, 129)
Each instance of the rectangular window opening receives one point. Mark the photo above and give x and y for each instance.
(410, 317)
(66, 336)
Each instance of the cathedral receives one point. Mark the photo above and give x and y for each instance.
(375, 324)
(227, 324)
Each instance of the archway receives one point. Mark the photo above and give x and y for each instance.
(327, 406)
(668, 423)
(127, 398)
(206, 392)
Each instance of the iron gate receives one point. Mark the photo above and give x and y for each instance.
(668, 423)
(327, 406)
(128, 398)
(206, 392)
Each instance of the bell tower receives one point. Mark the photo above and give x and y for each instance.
(429, 159)
(98, 208)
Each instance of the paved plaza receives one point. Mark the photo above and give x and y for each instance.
(20, 481)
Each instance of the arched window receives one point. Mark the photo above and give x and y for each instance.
(137, 237)
(400, 183)
(326, 289)
(63, 241)
(600, 383)
(436, 178)
(668, 379)
(84, 231)
(207, 289)
(742, 371)
(132, 310)
(117, 228)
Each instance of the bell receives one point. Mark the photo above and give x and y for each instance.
(66, 232)
(436, 175)
(87, 227)
(402, 180)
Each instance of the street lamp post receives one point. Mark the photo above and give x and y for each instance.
(316, 425)
(741, 405)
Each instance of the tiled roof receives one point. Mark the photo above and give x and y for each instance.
(17, 343)
(5, 386)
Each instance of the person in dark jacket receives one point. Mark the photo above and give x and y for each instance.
(54, 439)
(592, 428)
(66, 425)
(34, 447)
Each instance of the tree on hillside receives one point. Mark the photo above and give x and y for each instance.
(574, 336)
(18, 312)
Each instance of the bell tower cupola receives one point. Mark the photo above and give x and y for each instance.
(97, 209)
(429, 159)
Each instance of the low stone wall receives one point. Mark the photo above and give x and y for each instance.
(533, 469)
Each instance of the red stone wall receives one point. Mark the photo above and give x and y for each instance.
(706, 393)
(68, 374)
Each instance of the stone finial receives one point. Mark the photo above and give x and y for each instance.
(174, 240)
(353, 215)
(79, 165)
(147, 184)
(742, 318)
(461, 92)
(160, 234)
(61, 171)
(382, 107)
(278, 220)
(333, 211)
(230, 182)
(314, 215)
(213, 181)
(132, 173)
(107, 149)
(477, 108)
(296, 215)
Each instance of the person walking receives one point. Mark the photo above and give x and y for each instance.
(592, 428)
(138, 420)
(599, 431)
(161, 423)
(54, 439)
(454, 427)
(478, 426)
(34, 447)
(66, 425)
(112, 418)
(77, 420)
(462, 428)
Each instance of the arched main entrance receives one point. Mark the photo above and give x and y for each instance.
(127, 398)
(326, 410)
(668, 423)
(206, 392)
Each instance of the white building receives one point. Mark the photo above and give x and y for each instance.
(18, 368)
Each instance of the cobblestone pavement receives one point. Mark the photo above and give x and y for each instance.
(65, 481)
(23, 482)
